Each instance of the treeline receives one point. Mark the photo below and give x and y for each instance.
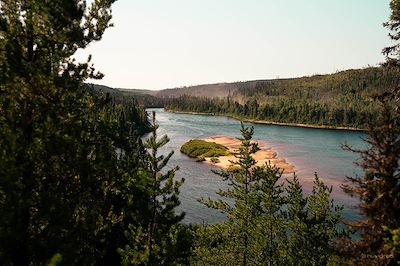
(79, 186)
(141, 97)
(339, 100)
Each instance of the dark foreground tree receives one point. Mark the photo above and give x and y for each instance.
(50, 150)
(379, 189)
(74, 176)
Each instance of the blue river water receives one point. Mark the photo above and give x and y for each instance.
(309, 150)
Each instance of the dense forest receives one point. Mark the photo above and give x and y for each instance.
(82, 180)
(343, 99)
(144, 98)
(338, 100)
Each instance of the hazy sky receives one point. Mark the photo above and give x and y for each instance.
(158, 44)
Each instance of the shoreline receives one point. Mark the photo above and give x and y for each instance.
(266, 122)
(262, 156)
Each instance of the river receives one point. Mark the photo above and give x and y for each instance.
(309, 150)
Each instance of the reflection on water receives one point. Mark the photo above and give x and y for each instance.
(309, 150)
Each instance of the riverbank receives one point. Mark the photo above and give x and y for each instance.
(264, 155)
(266, 122)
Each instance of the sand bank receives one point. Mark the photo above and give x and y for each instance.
(262, 156)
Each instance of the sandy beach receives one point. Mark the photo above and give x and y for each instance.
(264, 155)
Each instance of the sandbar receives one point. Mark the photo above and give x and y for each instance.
(264, 155)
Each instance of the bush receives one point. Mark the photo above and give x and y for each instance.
(200, 159)
(201, 149)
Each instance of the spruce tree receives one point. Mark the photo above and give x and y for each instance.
(312, 221)
(72, 172)
(157, 240)
(379, 188)
(267, 223)
(251, 234)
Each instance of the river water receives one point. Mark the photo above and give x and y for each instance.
(309, 150)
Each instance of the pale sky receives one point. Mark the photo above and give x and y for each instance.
(158, 44)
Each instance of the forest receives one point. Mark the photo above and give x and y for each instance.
(342, 99)
(83, 182)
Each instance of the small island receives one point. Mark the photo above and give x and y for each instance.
(219, 151)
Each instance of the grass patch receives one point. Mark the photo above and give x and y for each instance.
(196, 148)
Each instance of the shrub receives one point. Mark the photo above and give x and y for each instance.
(196, 148)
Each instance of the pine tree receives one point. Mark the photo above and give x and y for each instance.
(379, 188)
(156, 241)
(48, 145)
(313, 224)
(252, 207)
(267, 223)
(72, 172)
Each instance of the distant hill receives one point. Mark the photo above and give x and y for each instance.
(220, 90)
(146, 98)
(363, 81)
(119, 92)
(344, 89)
(158, 98)
(343, 99)
(353, 82)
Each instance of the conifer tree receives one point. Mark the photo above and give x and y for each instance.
(313, 224)
(267, 224)
(72, 168)
(251, 234)
(379, 188)
(155, 242)
(50, 152)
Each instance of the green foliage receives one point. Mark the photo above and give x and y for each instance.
(55, 146)
(156, 241)
(55, 260)
(340, 100)
(310, 221)
(379, 189)
(392, 52)
(75, 180)
(142, 97)
(213, 246)
(200, 159)
(392, 243)
(197, 148)
(267, 223)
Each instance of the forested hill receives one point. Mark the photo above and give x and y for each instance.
(145, 98)
(158, 98)
(219, 90)
(363, 82)
(352, 83)
(342, 99)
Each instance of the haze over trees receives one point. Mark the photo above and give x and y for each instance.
(79, 187)
(343, 99)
